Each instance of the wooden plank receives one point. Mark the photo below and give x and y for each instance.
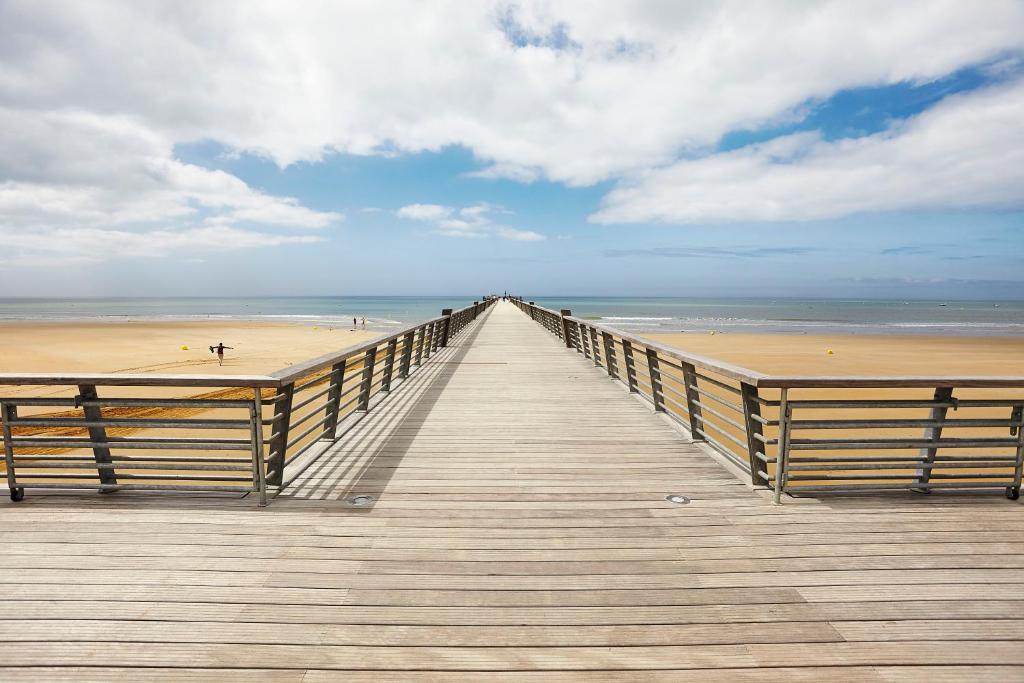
(512, 533)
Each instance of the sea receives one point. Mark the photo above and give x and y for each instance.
(631, 314)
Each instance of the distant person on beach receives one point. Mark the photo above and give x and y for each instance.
(353, 324)
(364, 323)
(219, 350)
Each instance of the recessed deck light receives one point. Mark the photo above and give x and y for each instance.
(362, 501)
(677, 498)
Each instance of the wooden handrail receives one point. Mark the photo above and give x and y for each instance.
(275, 379)
(697, 392)
(763, 380)
(307, 404)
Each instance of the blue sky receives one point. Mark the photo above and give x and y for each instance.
(567, 158)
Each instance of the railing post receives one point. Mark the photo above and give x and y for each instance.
(419, 347)
(692, 400)
(428, 341)
(609, 354)
(783, 451)
(657, 393)
(369, 359)
(1016, 413)
(476, 309)
(753, 429)
(942, 395)
(279, 432)
(259, 468)
(592, 333)
(337, 380)
(389, 365)
(9, 413)
(565, 328)
(627, 356)
(532, 316)
(584, 338)
(408, 341)
(101, 454)
(446, 330)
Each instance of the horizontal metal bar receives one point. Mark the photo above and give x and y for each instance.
(839, 444)
(308, 399)
(239, 466)
(311, 414)
(128, 423)
(127, 475)
(705, 408)
(137, 487)
(716, 399)
(725, 451)
(128, 402)
(137, 444)
(116, 379)
(307, 432)
(305, 447)
(881, 477)
(790, 467)
(677, 404)
(839, 488)
(129, 460)
(897, 458)
(896, 424)
(811, 404)
(708, 423)
(719, 384)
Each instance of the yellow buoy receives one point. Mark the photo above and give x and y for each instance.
(712, 331)
(829, 352)
(184, 348)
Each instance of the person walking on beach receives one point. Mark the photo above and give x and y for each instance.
(219, 350)
(353, 324)
(364, 322)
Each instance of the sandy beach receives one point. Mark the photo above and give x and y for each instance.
(156, 347)
(858, 355)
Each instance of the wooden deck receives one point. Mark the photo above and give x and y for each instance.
(518, 525)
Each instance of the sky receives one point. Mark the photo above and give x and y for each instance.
(857, 149)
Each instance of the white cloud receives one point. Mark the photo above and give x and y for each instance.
(966, 152)
(471, 222)
(83, 245)
(569, 91)
(95, 96)
(74, 173)
(520, 235)
(424, 212)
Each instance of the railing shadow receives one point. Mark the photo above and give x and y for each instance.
(363, 462)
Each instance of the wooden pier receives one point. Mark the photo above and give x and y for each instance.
(503, 517)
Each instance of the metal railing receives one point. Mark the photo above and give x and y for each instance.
(815, 434)
(239, 434)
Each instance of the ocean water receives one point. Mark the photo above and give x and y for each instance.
(799, 316)
(791, 316)
(381, 313)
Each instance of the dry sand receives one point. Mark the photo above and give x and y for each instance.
(155, 347)
(858, 355)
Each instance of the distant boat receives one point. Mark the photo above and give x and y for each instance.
(942, 304)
